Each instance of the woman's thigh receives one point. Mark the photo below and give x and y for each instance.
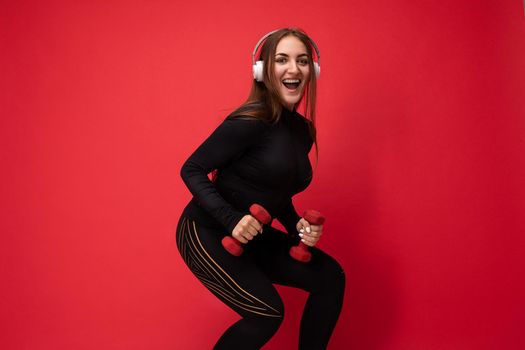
(273, 257)
(237, 281)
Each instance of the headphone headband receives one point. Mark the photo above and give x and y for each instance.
(257, 65)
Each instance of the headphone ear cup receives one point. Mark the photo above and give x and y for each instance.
(317, 69)
(258, 69)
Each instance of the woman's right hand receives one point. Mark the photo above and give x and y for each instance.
(247, 228)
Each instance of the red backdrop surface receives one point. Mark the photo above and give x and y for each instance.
(421, 170)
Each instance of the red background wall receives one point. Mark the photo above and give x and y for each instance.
(421, 172)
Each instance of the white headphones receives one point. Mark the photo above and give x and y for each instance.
(258, 67)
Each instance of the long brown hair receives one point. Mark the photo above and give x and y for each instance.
(264, 101)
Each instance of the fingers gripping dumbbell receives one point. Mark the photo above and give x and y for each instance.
(232, 245)
(300, 252)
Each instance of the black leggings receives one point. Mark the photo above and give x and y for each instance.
(245, 284)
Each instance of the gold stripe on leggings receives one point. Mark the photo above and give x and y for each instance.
(213, 276)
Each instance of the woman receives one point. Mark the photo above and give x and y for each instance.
(259, 154)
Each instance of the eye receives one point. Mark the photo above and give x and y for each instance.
(303, 61)
(280, 60)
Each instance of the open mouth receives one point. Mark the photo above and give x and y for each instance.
(291, 84)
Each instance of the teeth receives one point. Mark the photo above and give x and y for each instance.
(291, 81)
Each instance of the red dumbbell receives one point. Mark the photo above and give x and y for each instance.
(232, 245)
(300, 252)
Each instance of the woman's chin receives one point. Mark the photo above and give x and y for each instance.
(290, 101)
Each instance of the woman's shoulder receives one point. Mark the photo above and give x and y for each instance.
(252, 112)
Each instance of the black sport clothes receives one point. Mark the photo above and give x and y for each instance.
(265, 164)
(245, 284)
(257, 163)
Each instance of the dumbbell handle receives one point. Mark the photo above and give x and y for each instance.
(232, 245)
(300, 252)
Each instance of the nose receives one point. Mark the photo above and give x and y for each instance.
(292, 67)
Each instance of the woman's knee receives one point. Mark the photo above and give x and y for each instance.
(270, 324)
(260, 329)
(267, 322)
(333, 274)
(336, 274)
(252, 331)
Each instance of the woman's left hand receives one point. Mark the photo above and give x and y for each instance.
(309, 234)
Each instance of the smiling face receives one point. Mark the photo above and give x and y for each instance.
(291, 69)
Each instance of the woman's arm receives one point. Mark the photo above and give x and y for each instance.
(225, 144)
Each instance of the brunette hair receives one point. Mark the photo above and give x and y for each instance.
(264, 101)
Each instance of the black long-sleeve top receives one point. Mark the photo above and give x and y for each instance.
(256, 162)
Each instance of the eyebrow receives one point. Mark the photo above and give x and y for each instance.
(283, 54)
